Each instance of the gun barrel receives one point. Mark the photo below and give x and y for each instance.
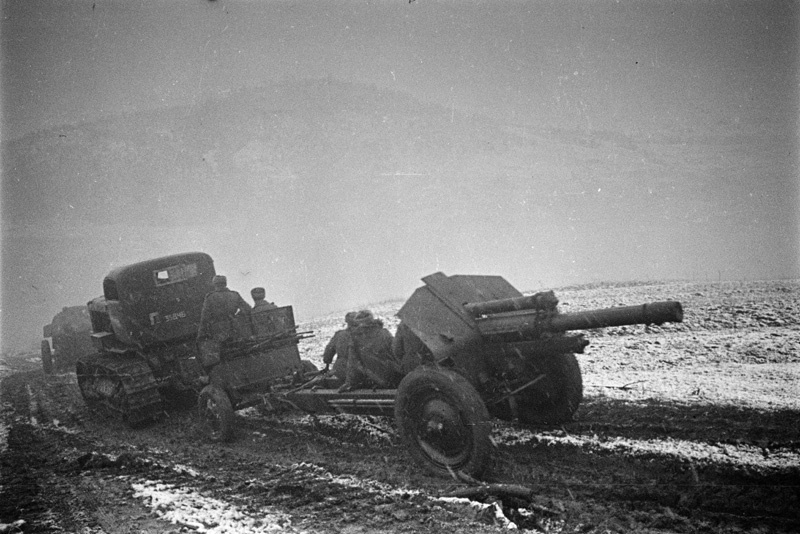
(533, 324)
(544, 301)
(652, 313)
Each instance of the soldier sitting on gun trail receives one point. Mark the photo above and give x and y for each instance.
(370, 362)
(218, 320)
(339, 346)
(259, 304)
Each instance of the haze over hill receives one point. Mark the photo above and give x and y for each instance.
(336, 194)
(338, 155)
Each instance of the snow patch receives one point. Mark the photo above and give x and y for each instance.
(6, 410)
(353, 482)
(185, 469)
(33, 406)
(384, 489)
(693, 451)
(205, 514)
(495, 509)
(376, 429)
(65, 429)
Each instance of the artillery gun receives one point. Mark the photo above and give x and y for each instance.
(514, 349)
(474, 347)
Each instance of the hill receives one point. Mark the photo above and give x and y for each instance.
(334, 193)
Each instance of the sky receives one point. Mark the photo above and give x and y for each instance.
(519, 62)
(640, 68)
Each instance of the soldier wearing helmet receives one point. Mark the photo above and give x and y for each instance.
(220, 308)
(371, 362)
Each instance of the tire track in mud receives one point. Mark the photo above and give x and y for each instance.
(734, 485)
(721, 467)
(310, 495)
(231, 479)
(298, 497)
(31, 460)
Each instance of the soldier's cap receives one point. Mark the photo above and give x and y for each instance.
(258, 292)
(364, 318)
(219, 281)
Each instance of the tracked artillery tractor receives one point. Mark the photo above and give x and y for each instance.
(144, 332)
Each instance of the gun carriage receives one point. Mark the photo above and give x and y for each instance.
(487, 350)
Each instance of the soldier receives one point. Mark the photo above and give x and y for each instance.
(339, 346)
(218, 320)
(371, 362)
(259, 304)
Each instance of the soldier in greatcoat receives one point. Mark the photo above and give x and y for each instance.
(371, 362)
(218, 319)
(339, 347)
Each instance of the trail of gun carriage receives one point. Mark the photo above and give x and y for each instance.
(481, 409)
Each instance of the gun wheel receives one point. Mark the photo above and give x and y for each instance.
(47, 357)
(215, 413)
(443, 422)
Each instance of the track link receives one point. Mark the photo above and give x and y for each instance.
(123, 384)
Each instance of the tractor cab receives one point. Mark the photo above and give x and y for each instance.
(152, 302)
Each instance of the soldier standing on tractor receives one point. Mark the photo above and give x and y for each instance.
(218, 320)
(259, 303)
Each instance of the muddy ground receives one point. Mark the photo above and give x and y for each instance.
(685, 428)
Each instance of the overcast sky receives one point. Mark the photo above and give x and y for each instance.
(639, 68)
(612, 64)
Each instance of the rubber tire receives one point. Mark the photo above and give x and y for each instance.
(215, 413)
(47, 357)
(558, 397)
(308, 367)
(439, 396)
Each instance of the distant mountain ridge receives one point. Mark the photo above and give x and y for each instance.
(146, 164)
(161, 164)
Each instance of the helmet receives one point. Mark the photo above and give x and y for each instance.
(258, 293)
(219, 281)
